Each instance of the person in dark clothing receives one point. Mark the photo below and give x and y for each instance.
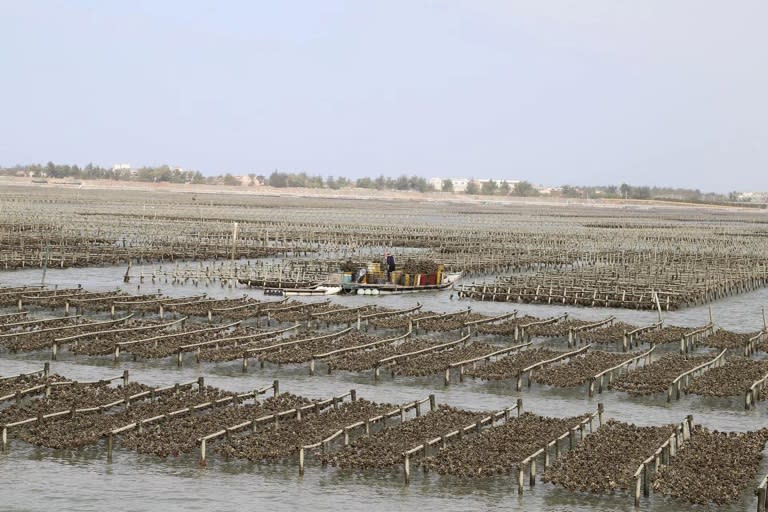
(389, 261)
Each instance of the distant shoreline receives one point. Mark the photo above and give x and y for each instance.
(353, 194)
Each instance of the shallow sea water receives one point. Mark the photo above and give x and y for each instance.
(38, 478)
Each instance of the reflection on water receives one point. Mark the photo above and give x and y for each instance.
(34, 478)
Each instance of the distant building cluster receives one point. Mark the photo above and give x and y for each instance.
(460, 184)
(124, 168)
(753, 197)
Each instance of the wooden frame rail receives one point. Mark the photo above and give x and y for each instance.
(755, 393)
(682, 380)
(366, 425)
(530, 461)
(525, 335)
(280, 346)
(443, 439)
(297, 413)
(662, 456)
(139, 425)
(381, 314)
(629, 340)
(346, 350)
(752, 344)
(573, 333)
(487, 357)
(689, 339)
(42, 417)
(217, 342)
(529, 369)
(599, 378)
(155, 339)
(57, 342)
(394, 359)
(474, 323)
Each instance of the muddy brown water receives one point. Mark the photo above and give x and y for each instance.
(39, 478)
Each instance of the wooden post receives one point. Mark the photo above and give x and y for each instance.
(301, 461)
(406, 468)
(432, 403)
(532, 480)
(519, 406)
(234, 240)
(276, 387)
(600, 411)
(646, 479)
(520, 479)
(125, 378)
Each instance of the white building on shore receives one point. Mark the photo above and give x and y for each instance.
(460, 184)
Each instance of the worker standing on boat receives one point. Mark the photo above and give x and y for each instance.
(389, 261)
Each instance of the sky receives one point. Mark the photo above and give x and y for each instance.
(581, 92)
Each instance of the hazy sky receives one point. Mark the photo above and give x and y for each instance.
(583, 92)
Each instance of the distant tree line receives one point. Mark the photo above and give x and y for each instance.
(94, 172)
(278, 179)
(626, 191)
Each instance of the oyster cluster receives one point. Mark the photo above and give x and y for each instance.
(657, 376)
(509, 366)
(732, 379)
(385, 448)
(607, 459)
(271, 444)
(579, 370)
(500, 449)
(713, 467)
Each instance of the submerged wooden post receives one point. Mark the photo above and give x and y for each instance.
(202, 452)
(406, 468)
(646, 479)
